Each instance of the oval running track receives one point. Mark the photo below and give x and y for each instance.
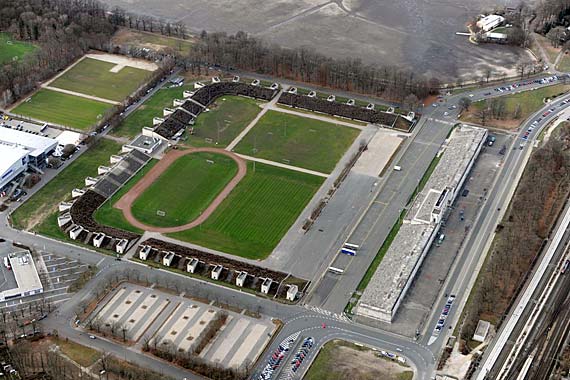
(125, 203)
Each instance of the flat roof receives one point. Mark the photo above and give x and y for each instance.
(35, 144)
(10, 155)
(25, 271)
(406, 249)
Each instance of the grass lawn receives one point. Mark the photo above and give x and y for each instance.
(564, 64)
(184, 190)
(82, 355)
(142, 116)
(152, 41)
(13, 50)
(298, 141)
(92, 77)
(550, 50)
(530, 102)
(63, 109)
(339, 360)
(110, 216)
(45, 202)
(254, 217)
(227, 117)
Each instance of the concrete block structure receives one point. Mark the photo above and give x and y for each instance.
(99, 239)
(292, 292)
(240, 279)
(144, 252)
(266, 285)
(167, 259)
(396, 272)
(216, 272)
(481, 331)
(75, 231)
(192, 265)
(76, 193)
(122, 245)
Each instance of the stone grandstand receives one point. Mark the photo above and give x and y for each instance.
(392, 279)
(390, 120)
(231, 268)
(76, 218)
(185, 115)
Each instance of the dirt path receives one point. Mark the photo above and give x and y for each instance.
(125, 203)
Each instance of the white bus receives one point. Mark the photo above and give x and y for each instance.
(336, 270)
(351, 246)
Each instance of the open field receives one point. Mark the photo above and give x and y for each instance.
(184, 190)
(227, 117)
(45, 202)
(529, 101)
(142, 116)
(56, 107)
(11, 49)
(298, 141)
(550, 50)
(259, 211)
(339, 360)
(376, 31)
(93, 77)
(110, 216)
(152, 41)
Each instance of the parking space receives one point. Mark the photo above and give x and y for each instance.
(7, 279)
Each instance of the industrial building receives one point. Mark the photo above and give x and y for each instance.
(38, 146)
(490, 22)
(396, 272)
(13, 163)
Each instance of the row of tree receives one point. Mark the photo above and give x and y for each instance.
(63, 30)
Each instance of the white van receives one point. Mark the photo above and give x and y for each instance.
(397, 168)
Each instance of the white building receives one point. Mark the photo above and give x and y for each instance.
(13, 163)
(490, 22)
(38, 147)
(266, 285)
(27, 278)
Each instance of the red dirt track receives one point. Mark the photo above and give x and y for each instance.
(124, 204)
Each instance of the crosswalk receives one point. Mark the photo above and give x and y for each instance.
(339, 317)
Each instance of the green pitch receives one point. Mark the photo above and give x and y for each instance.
(56, 107)
(298, 141)
(228, 116)
(184, 190)
(256, 215)
(92, 77)
(13, 50)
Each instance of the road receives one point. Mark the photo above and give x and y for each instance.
(430, 134)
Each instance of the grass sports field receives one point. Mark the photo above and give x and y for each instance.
(184, 190)
(227, 117)
(108, 215)
(11, 50)
(251, 221)
(298, 141)
(142, 116)
(45, 202)
(92, 77)
(63, 109)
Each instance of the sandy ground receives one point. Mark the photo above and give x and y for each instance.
(122, 61)
(419, 34)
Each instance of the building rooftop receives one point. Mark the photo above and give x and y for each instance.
(10, 155)
(34, 143)
(25, 271)
(403, 256)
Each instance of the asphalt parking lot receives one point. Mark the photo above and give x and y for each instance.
(418, 303)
